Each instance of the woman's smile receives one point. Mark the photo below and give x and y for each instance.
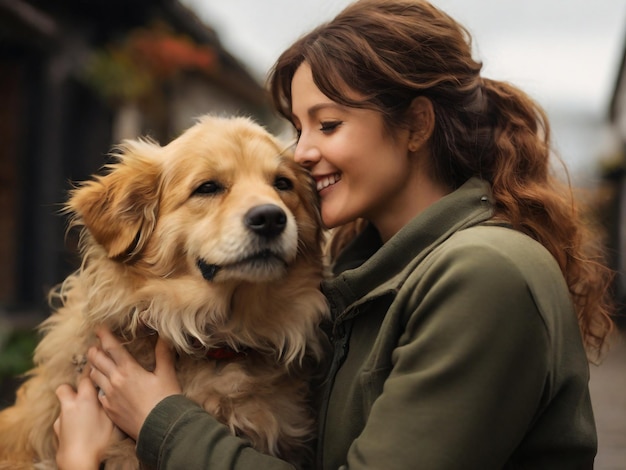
(324, 181)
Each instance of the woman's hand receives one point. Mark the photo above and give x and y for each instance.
(128, 392)
(83, 428)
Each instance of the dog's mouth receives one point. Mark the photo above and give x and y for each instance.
(262, 265)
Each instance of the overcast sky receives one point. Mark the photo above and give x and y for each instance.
(565, 53)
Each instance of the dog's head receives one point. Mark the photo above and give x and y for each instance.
(223, 201)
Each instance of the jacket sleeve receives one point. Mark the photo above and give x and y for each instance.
(468, 373)
(179, 434)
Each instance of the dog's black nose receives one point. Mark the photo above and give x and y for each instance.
(267, 220)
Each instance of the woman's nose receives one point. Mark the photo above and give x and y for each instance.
(306, 154)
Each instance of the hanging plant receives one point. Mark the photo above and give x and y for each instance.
(138, 65)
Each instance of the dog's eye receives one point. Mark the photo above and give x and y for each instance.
(209, 187)
(283, 184)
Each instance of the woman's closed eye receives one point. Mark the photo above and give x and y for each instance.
(329, 126)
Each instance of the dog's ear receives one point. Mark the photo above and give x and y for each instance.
(120, 208)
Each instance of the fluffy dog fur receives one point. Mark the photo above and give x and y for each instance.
(212, 241)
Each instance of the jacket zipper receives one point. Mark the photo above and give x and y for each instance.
(340, 341)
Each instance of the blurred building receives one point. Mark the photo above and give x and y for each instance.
(76, 76)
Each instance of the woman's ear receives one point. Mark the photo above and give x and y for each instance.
(422, 122)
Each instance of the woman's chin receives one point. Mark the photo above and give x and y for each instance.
(331, 221)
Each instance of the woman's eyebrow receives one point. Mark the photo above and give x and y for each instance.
(313, 110)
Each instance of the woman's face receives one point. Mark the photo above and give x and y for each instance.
(360, 169)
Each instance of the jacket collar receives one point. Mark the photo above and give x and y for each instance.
(367, 269)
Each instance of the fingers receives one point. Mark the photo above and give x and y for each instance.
(102, 367)
(57, 426)
(68, 397)
(100, 361)
(101, 380)
(164, 355)
(111, 346)
(107, 338)
(65, 392)
(86, 388)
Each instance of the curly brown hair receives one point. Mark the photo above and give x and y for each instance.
(392, 51)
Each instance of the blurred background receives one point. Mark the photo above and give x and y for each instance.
(78, 76)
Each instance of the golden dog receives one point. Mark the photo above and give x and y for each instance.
(213, 242)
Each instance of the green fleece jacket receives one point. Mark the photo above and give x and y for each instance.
(456, 346)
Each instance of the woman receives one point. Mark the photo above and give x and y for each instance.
(466, 289)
